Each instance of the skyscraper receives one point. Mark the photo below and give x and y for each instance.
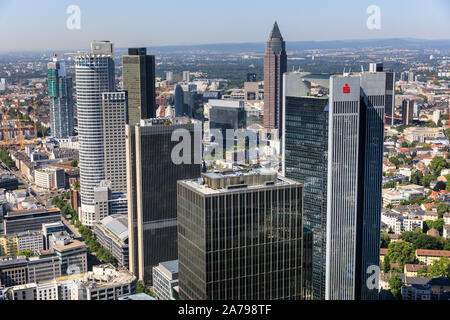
(114, 122)
(240, 237)
(407, 111)
(334, 147)
(138, 70)
(61, 100)
(94, 75)
(152, 183)
(275, 64)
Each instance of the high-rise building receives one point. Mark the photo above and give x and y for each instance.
(169, 76)
(61, 100)
(94, 76)
(376, 67)
(334, 146)
(275, 64)
(138, 71)
(186, 76)
(407, 111)
(240, 237)
(251, 77)
(152, 183)
(114, 122)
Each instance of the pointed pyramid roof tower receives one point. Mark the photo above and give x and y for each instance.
(275, 34)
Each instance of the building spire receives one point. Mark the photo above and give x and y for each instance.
(275, 34)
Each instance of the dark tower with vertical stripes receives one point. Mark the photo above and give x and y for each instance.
(275, 64)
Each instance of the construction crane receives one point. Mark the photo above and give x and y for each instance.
(34, 106)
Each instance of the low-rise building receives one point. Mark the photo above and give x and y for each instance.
(428, 256)
(72, 253)
(13, 271)
(30, 241)
(29, 220)
(165, 279)
(50, 178)
(112, 234)
(416, 292)
(411, 270)
(105, 282)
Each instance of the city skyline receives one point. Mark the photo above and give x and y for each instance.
(295, 18)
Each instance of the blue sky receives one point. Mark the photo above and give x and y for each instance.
(41, 24)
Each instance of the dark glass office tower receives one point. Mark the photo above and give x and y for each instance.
(152, 190)
(138, 72)
(306, 137)
(240, 237)
(275, 64)
(333, 145)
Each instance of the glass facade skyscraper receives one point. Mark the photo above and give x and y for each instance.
(61, 100)
(334, 146)
(152, 181)
(240, 237)
(138, 72)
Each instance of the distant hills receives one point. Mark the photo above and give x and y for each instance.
(399, 43)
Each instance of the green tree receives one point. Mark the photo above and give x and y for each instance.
(423, 272)
(441, 268)
(395, 161)
(384, 239)
(74, 163)
(424, 241)
(26, 253)
(395, 284)
(442, 208)
(390, 184)
(427, 179)
(416, 178)
(401, 253)
(386, 264)
(437, 164)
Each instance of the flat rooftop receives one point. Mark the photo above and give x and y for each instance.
(232, 180)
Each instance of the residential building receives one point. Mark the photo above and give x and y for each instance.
(416, 292)
(427, 257)
(138, 71)
(275, 64)
(60, 100)
(165, 279)
(328, 142)
(232, 228)
(152, 182)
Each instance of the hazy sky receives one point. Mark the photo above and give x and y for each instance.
(41, 24)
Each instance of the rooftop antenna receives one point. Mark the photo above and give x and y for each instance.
(362, 68)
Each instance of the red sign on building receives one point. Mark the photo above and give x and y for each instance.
(346, 88)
